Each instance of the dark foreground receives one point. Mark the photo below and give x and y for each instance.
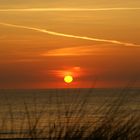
(72, 114)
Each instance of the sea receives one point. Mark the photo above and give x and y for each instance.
(22, 109)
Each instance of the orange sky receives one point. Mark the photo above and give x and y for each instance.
(99, 42)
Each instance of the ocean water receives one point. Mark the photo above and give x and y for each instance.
(19, 108)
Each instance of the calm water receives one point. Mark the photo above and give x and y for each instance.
(17, 106)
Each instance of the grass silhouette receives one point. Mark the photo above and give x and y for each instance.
(74, 123)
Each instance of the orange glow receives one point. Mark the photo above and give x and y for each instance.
(43, 44)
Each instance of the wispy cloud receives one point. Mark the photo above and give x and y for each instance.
(69, 35)
(67, 9)
(73, 51)
(101, 49)
(74, 71)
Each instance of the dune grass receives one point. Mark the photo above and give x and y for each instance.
(74, 124)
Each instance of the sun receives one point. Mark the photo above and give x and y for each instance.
(68, 79)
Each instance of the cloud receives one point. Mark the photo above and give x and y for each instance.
(69, 35)
(67, 9)
(72, 51)
(75, 71)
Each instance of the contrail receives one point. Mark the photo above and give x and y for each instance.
(67, 9)
(69, 35)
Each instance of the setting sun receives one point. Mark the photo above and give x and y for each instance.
(68, 79)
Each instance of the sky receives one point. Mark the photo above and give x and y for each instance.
(97, 42)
